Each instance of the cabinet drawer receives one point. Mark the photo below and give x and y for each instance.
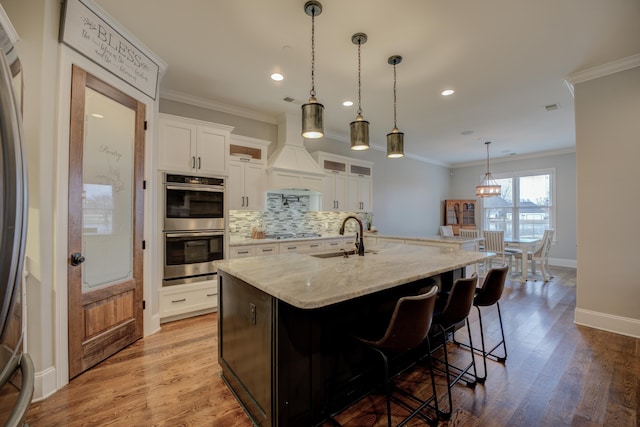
(242, 251)
(301, 247)
(272, 249)
(181, 302)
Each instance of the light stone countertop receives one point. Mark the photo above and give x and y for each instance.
(307, 282)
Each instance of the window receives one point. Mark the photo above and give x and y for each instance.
(525, 209)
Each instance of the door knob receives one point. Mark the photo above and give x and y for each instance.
(76, 259)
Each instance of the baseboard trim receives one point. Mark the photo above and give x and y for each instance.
(560, 262)
(608, 322)
(44, 384)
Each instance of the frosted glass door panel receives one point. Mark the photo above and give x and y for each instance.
(107, 196)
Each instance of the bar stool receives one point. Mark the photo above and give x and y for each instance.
(488, 295)
(456, 311)
(408, 329)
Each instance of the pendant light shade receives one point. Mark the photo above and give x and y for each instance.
(395, 139)
(488, 186)
(395, 144)
(313, 111)
(359, 127)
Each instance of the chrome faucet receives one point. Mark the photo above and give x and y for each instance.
(359, 242)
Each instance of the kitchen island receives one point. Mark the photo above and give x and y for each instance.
(284, 323)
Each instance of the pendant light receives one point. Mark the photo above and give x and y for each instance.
(395, 139)
(488, 186)
(359, 127)
(312, 112)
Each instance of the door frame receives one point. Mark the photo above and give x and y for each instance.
(51, 379)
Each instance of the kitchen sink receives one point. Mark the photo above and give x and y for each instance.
(341, 253)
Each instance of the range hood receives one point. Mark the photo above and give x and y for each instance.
(291, 167)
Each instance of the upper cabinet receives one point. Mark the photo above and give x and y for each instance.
(334, 196)
(460, 214)
(348, 183)
(247, 162)
(192, 146)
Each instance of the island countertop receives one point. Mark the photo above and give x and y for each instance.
(308, 282)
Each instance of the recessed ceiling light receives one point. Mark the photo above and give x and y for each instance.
(97, 116)
(277, 77)
(347, 104)
(448, 92)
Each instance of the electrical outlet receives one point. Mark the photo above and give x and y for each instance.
(252, 310)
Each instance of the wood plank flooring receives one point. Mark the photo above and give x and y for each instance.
(556, 374)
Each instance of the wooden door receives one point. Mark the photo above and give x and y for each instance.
(106, 164)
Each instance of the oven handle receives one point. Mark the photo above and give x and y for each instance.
(195, 234)
(209, 188)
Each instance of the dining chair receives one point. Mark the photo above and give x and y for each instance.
(446, 231)
(540, 255)
(494, 242)
(469, 233)
(445, 322)
(407, 330)
(487, 295)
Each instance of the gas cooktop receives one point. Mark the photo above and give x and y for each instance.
(282, 236)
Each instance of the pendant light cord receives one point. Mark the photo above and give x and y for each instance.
(395, 125)
(359, 85)
(487, 144)
(313, 52)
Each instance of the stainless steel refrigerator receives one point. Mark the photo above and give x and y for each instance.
(16, 367)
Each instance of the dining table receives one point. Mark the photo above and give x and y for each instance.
(525, 245)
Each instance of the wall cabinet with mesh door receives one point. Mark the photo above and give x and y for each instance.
(247, 173)
(460, 214)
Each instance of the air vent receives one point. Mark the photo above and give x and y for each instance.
(288, 99)
(551, 107)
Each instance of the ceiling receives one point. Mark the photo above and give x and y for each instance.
(505, 59)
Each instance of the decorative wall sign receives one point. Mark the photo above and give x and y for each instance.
(85, 31)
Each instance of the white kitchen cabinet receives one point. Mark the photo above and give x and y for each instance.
(334, 196)
(181, 301)
(348, 185)
(247, 173)
(245, 186)
(360, 186)
(192, 146)
(359, 194)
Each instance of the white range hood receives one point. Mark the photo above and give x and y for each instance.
(291, 167)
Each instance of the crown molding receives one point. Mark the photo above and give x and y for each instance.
(218, 106)
(516, 157)
(604, 70)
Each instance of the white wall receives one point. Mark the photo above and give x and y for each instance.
(608, 163)
(563, 251)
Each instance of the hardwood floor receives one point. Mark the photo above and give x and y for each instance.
(556, 374)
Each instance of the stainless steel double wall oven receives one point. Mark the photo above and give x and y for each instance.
(193, 227)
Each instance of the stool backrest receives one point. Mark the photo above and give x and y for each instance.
(468, 232)
(410, 322)
(459, 302)
(492, 287)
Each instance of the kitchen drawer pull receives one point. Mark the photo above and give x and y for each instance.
(178, 300)
(199, 162)
(193, 162)
(266, 250)
(211, 295)
(242, 252)
(292, 247)
(314, 246)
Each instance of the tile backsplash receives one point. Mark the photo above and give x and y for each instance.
(285, 213)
